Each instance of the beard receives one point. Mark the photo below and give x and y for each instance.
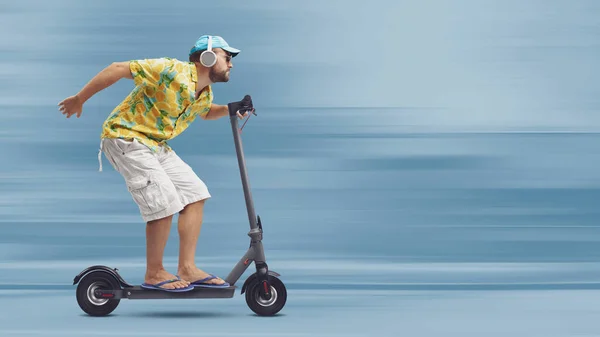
(215, 77)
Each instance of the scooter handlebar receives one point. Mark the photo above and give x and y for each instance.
(245, 105)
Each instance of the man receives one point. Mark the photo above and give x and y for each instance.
(168, 95)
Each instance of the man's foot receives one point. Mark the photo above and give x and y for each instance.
(155, 278)
(193, 274)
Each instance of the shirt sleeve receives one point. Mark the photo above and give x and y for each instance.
(149, 70)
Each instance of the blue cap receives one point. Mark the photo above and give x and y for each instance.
(217, 42)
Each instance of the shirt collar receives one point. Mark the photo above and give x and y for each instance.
(194, 73)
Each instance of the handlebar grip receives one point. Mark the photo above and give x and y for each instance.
(242, 106)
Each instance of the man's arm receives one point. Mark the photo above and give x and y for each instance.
(104, 79)
(216, 111)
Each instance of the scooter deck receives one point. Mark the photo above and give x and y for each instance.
(139, 293)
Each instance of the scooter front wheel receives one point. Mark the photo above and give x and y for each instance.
(262, 306)
(88, 301)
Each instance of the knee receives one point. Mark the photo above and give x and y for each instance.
(196, 206)
(162, 221)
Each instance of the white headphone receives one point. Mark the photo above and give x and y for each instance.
(208, 58)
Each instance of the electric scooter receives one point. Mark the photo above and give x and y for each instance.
(101, 288)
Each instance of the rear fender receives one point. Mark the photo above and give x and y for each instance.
(112, 271)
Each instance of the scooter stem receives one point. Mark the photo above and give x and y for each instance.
(237, 139)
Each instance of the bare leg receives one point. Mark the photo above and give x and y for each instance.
(189, 224)
(157, 234)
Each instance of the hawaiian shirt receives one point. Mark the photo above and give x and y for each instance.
(161, 105)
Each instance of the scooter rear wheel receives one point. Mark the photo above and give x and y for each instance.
(87, 300)
(262, 306)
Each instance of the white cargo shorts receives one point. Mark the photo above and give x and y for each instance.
(160, 183)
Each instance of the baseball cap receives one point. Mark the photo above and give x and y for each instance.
(217, 42)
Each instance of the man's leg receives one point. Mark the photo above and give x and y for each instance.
(157, 198)
(157, 234)
(189, 225)
(192, 193)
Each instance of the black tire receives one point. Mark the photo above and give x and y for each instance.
(263, 307)
(85, 293)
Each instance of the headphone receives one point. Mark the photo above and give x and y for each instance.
(208, 58)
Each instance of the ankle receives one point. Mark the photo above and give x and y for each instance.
(152, 271)
(187, 267)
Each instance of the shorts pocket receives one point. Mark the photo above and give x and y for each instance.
(111, 160)
(148, 194)
(124, 145)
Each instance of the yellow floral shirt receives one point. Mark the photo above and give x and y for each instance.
(162, 104)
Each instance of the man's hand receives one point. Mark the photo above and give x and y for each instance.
(242, 116)
(71, 106)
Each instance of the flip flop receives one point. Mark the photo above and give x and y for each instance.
(202, 283)
(157, 286)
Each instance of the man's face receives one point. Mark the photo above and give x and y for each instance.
(220, 71)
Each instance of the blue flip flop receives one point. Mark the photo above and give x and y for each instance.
(202, 283)
(158, 286)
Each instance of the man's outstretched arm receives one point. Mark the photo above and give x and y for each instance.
(104, 79)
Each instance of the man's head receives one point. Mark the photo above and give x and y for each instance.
(223, 53)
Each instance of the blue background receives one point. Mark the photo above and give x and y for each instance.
(420, 168)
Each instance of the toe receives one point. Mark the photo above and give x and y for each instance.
(218, 280)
